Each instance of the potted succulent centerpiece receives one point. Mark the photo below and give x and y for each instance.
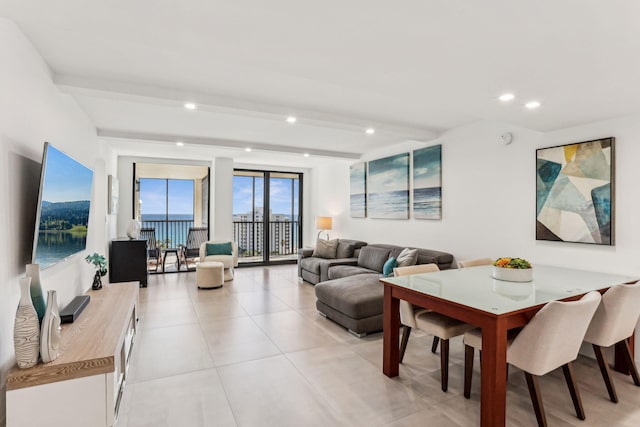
(512, 270)
(100, 263)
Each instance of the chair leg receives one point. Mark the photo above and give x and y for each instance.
(631, 364)
(444, 364)
(406, 331)
(606, 374)
(534, 392)
(434, 345)
(570, 377)
(468, 369)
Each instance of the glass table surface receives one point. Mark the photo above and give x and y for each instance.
(476, 288)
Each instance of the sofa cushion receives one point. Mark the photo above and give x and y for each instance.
(407, 257)
(326, 248)
(357, 297)
(373, 258)
(339, 271)
(219, 249)
(345, 250)
(389, 265)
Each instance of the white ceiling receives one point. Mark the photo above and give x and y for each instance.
(410, 69)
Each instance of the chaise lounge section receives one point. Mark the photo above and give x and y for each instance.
(353, 296)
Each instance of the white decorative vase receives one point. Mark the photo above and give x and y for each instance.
(33, 271)
(513, 274)
(50, 336)
(133, 229)
(26, 330)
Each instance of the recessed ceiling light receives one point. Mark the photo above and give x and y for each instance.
(306, 154)
(531, 105)
(506, 97)
(180, 143)
(190, 106)
(291, 119)
(248, 149)
(370, 131)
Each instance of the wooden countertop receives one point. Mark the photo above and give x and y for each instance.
(88, 345)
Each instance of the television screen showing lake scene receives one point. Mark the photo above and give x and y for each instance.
(388, 187)
(63, 214)
(358, 202)
(427, 183)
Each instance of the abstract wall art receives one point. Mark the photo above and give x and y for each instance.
(575, 192)
(358, 195)
(388, 187)
(427, 183)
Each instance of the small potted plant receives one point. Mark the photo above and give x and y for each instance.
(512, 270)
(100, 263)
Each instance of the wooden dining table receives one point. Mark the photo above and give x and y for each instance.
(474, 296)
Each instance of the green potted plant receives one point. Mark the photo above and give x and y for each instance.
(512, 269)
(100, 263)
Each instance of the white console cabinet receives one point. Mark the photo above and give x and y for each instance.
(84, 385)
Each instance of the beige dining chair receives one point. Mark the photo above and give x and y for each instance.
(550, 340)
(614, 322)
(440, 326)
(475, 262)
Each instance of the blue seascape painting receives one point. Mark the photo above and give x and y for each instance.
(427, 183)
(388, 187)
(358, 202)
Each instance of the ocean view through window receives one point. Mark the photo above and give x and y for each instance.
(266, 215)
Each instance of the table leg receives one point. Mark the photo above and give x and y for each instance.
(493, 398)
(390, 334)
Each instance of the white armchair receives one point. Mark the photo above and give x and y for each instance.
(229, 261)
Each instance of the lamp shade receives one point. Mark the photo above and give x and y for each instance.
(324, 222)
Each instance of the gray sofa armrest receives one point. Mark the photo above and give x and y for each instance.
(305, 252)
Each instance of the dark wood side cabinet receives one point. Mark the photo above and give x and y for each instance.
(128, 261)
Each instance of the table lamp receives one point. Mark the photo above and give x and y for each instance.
(324, 223)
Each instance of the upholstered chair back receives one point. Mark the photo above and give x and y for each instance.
(616, 316)
(406, 309)
(475, 262)
(554, 335)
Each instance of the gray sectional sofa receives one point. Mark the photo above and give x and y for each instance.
(352, 294)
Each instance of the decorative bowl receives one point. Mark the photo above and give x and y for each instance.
(513, 274)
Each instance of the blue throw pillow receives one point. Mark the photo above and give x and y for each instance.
(387, 268)
(219, 249)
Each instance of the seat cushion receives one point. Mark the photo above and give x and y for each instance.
(227, 260)
(441, 326)
(357, 297)
(340, 271)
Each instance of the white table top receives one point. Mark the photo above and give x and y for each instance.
(476, 288)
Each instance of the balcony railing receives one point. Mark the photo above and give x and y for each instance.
(249, 236)
(170, 233)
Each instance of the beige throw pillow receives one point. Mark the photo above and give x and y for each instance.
(326, 248)
(407, 257)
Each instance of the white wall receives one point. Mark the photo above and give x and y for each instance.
(33, 111)
(488, 192)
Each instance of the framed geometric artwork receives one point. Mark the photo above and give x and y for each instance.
(388, 187)
(427, 183)
(358, 186)
(575, 192)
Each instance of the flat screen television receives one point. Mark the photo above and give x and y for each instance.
(64, 201)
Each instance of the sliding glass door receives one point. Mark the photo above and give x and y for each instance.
(267, 215)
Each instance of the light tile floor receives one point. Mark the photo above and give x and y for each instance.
(256, 353)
